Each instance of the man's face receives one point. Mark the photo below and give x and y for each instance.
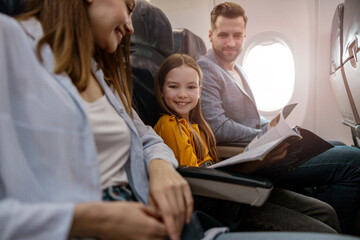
(228, 38)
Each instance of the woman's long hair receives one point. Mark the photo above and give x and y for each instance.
(195, 115)
(67, 30)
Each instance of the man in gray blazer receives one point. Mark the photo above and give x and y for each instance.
(230, 109)
(227, 101)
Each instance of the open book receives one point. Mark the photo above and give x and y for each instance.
(303, 145)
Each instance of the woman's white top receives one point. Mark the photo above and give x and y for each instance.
(112, 139)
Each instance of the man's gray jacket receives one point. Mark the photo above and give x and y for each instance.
(229, 108)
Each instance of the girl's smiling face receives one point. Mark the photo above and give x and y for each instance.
(181, 90)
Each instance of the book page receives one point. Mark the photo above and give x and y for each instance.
(277, 128)
(254, 154)
(288, 109)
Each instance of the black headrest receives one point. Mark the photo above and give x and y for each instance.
(187, 42)
(152, 28)
(12, 7)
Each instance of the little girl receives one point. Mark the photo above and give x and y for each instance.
(183, 128)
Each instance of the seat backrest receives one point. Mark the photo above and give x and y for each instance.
(351, 54)
(344, 63)
(187, 42)
(338, 83)
(151, 43)
(12, 7)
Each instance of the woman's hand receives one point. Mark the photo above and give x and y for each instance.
(272, 157)
(171, 195)
(117, 220)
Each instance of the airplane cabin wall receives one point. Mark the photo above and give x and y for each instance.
(306, 26)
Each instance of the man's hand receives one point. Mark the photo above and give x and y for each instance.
(171, 195)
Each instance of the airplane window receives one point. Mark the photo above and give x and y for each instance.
(270, 69)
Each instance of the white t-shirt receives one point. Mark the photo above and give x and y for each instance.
(237, 77)
(112, 139)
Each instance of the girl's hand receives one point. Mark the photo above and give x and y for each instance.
(116, 220)
(171, 195)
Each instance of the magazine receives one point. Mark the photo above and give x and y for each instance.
(303, 145)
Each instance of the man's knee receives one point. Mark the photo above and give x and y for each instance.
(327, 215)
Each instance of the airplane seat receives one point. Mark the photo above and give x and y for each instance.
(343, 45)
(151, 43)
(336, 76)
(12, 7)
(187, 42)
(351, 60)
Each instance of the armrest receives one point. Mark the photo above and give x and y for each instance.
(227, 185)
(230, 149)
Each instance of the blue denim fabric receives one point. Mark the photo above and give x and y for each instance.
(334, 177)
(118, 193)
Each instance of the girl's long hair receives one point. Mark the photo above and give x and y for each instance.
(67, 30)
(195, 115)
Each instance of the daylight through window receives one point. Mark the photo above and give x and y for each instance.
(270, 68)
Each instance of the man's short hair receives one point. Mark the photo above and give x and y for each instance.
(228, 10)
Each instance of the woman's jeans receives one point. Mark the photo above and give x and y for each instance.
(333, 177)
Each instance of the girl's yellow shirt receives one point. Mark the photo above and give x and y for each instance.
(182, 143)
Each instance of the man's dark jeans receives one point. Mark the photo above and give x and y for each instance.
(333, 177)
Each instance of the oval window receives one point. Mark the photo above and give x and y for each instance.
(270, 68)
